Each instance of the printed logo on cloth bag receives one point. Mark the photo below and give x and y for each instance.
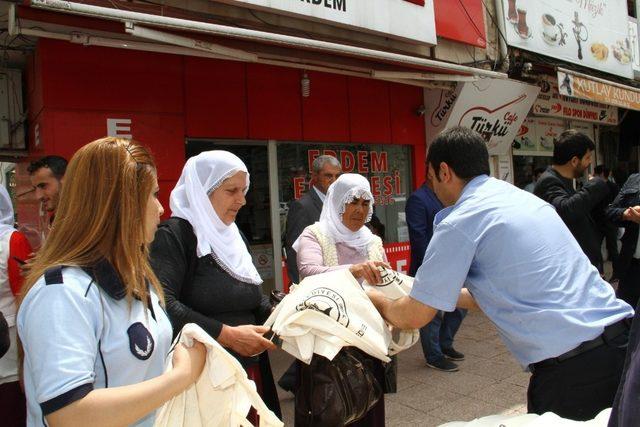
(328, 302)
(389, 276)
(141, 342)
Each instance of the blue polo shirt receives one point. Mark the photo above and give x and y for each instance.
(523, 267)
(80, 333)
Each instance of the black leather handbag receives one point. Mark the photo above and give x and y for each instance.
(336, 392)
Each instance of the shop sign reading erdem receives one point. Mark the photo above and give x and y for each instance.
(384, 185)
(398, 19)
(331, 4)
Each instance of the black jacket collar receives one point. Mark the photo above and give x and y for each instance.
(107, 278)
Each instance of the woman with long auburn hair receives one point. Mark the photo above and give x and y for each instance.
(91, 320)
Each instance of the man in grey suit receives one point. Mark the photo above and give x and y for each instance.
(302, 213)
(306, 210)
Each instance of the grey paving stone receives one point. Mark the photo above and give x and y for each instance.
(465, 409)
(398, 414)
(487, 348)
(503, 394)
(497, 370)
(521, 378)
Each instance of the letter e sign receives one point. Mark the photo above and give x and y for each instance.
(120, 128)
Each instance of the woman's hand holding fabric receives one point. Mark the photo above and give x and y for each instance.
(368, 271)
(246, 340)
(189, 361)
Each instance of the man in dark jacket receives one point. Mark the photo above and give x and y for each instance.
(625, 212)
(571, 158)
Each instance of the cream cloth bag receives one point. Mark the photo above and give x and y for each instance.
(221, 397)
(326, 312)
(396, 285)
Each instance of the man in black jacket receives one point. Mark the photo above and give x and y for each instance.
(571, 158)
(625, 212)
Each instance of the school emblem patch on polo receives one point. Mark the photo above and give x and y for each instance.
(141, 342)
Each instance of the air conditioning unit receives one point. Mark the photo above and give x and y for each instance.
(12, 115)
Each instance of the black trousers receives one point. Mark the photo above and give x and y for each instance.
(629, 284)
(580, 387)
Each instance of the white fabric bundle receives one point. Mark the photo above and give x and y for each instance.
(396, 285)
(221, 397)
(326, 312)
(532, 420)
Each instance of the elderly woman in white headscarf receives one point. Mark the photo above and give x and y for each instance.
(14, 251)
(340, 240)
(204, 264)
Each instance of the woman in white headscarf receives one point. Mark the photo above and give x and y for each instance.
(340, 240)
(204, 264)
(14, 251)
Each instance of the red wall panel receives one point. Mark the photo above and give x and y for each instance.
(419, 167)
(95, 78)
(41, 131)
(215, 98)
(33, 79)
(369, 111)
(406, 126)
(461, 20)
(325, 113)
(274, 105)
(163, 134)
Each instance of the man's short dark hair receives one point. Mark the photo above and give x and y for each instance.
(463, 150)
(570, 144)
(57, 164)
(602, 170)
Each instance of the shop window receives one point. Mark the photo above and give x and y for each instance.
(388, 168)
(631, 6)
(525, 167)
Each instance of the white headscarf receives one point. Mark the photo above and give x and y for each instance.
(6, 212)
(344, 190)
(189, 200)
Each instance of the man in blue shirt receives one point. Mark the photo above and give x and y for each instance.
(436, 337)
(510, 253)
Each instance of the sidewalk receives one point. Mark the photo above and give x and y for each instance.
(489, 382)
